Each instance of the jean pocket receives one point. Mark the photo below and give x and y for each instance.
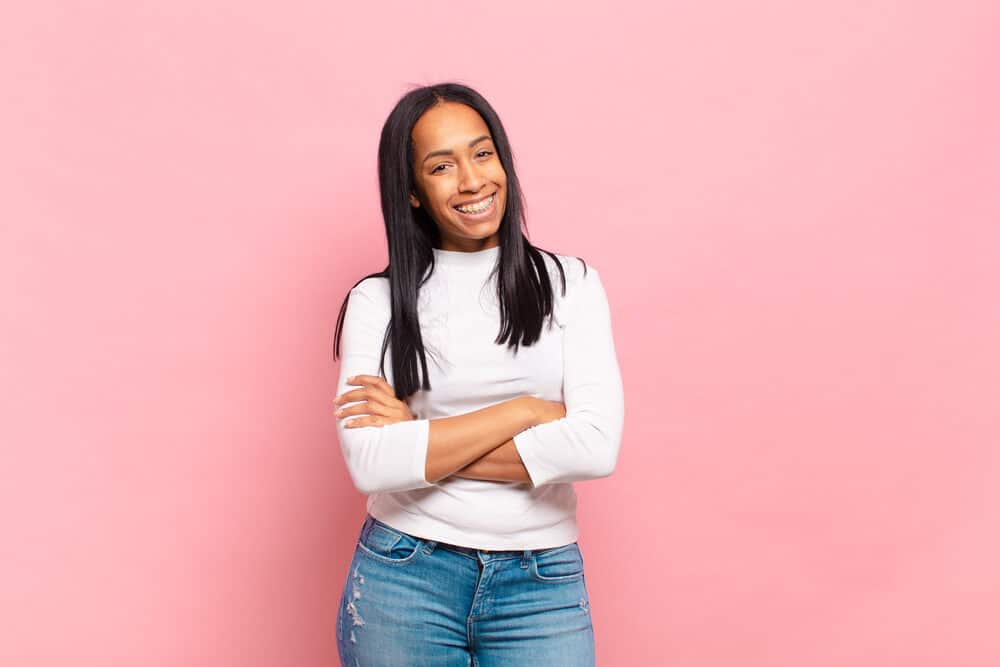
(388, 545)
(558, 564)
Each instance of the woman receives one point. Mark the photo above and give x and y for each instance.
(472, 393)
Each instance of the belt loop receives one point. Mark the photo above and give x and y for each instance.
(525, 559)
(366, 527)
(429, 547)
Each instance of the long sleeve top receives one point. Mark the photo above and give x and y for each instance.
(574, 362)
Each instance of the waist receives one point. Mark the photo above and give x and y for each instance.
(468, 527)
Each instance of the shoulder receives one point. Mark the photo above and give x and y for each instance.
(372, 287)
(370, 296)
(574, 268)
(579, 273)
(581, 277)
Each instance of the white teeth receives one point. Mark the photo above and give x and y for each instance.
(477, 208)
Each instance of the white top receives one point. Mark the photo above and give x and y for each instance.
(573, 362)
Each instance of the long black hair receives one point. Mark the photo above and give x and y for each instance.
(524, 290)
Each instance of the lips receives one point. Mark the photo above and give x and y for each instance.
(478, 205)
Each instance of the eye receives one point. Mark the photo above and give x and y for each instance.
(484, 152)
(434, 170)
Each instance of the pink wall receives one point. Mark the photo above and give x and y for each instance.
(795, 209)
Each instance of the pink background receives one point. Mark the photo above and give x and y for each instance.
(794, 207)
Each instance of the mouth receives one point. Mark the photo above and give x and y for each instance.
(478, 210)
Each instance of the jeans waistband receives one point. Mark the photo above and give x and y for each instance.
(468, 551)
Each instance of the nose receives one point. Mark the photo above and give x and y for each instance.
(471, 180)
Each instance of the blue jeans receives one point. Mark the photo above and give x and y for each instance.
(413, 602)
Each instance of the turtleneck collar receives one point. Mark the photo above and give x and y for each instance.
(480, 258)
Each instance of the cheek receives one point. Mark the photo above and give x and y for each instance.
(438, 196)
(498, 175)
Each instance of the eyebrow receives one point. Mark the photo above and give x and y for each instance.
(449, 152)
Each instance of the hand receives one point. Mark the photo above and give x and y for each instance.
(548, 411)
(378, 403)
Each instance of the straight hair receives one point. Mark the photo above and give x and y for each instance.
(524, 290)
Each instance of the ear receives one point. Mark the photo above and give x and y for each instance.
(414, 202)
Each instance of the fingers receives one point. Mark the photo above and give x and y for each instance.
(367, 420)
(364, 408)
(375, 399)
(373, 388)
(363, 394)
(371, 415)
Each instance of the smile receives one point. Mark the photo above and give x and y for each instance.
(479, 208)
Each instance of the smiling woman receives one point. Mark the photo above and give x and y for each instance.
(461, 182)
(469, 547)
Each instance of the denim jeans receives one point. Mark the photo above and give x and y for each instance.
(413, 602)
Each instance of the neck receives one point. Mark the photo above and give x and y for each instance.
(484, 257)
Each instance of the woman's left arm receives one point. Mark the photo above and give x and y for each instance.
(502, 464)
(584, 444)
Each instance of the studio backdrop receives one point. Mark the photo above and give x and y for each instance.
(794, 210)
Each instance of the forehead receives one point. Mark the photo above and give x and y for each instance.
(448, 125)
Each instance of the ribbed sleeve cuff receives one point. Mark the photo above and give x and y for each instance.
(527, 444)
(421, 438)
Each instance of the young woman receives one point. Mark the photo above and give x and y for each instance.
(478, 381)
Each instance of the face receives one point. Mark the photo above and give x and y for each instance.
(459, 179)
